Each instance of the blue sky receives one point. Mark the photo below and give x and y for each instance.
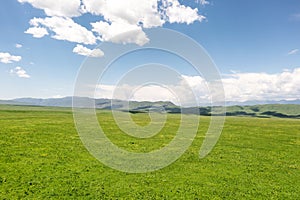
(242, 37)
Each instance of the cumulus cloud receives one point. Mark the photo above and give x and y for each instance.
(63, 8)
(262, 86)
(238, 87)
(146, 93)
(64, 29)
(120, 33)
(186, 92)
(37, 32)
(81, 50)
(178, 13)
(8, 58)
(124, 22)
(20, 72)
(136, 93)
(127, 22)
(294, 51)
(127, 17)
(133, 12)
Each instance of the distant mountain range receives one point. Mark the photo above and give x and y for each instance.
(99, 103)
(282, 109)
(106, 103)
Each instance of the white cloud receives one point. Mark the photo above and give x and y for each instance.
(19, 46)
(124, 23)
(64, 8)
(131, 12)
(294, 51)
(178, 13)
(105, 91)
(37, 32)
(126, 17)
(238, 87)
(146, 94)
(81, 50)
(123, 18)
(181, 93)
(20, 72)
(64, 29)
(94, 7)
(262, 86)
(57, 96)
(120, 33)
(136, 93)
(8, 58)
(203, 2)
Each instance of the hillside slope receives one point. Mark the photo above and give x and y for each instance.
(263, 111)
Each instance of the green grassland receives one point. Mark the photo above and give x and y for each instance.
(41, 157)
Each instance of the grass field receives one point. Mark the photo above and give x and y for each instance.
(41, 156)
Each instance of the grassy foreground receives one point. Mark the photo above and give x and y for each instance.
(41, 156)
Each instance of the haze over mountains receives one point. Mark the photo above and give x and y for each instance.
(282, 109)
(106, 103)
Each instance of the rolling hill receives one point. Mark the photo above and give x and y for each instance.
(277, 109)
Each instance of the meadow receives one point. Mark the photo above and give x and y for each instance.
(42, 157)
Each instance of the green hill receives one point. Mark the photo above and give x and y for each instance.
(272, 110)
(262, 111)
